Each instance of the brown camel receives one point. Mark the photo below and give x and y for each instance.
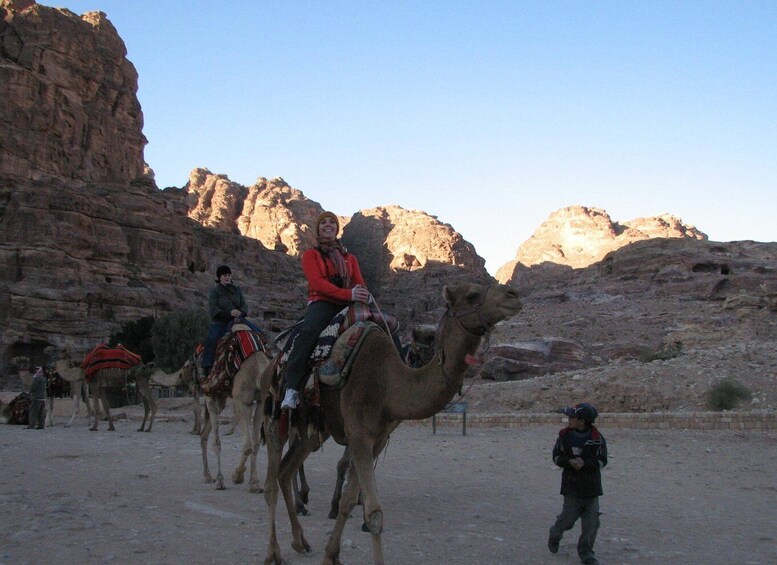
(245, 394)
(103, 379)
(381, 391)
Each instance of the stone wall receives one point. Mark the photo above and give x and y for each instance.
(759, 420)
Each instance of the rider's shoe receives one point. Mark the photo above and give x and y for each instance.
(291, 400)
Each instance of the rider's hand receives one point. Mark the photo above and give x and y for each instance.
(359, 293)
(235, 313)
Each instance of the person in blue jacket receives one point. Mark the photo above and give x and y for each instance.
(581, 451)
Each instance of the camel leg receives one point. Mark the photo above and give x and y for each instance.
(50, 411)
(304, 487)
(204, 435)
(214, 407)
(363, 452)
(96, 405)
(342, 470)
(76, 390)
(274, 450)
(301, 490)
(107, 408)
(197, 429)
(349, 498)
(296, 454)
(242, 417)
(256, 486)
(149, 404)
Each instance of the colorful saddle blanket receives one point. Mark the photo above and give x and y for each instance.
(231, 351)
(104, 357)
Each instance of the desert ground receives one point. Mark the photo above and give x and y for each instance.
(671, 496)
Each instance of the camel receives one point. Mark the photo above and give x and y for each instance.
(244, 393)
(58, 386)
(188, 376)
(380, 393)
(78, 388)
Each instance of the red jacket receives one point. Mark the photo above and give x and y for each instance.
(319, 271)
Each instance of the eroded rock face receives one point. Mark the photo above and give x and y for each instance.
(87, 242)
(271, 211)
(75, 114)
(578, 236)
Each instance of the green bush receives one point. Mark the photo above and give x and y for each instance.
(668, 351)
(174, 337)
(135, 335)
(726, 394)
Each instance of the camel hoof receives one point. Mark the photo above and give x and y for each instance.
(302, 511)
(333, 514)
(238, 478)
(365, 527)
(92, 429)
(302, 547)
(256, 489)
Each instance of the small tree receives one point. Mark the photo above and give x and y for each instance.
(135, 335)
(726, 394)
(175, 336)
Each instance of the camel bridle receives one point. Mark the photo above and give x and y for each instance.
(484, 327)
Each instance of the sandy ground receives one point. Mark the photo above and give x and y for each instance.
(674, 496)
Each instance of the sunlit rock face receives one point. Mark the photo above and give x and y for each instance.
(578, 236)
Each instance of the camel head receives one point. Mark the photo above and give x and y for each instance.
(21, 362)
(479, 307)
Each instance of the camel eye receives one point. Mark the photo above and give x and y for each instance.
(472, 296)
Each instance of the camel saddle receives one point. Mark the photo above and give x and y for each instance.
(105, 357)
(231, 350)
(329, 361)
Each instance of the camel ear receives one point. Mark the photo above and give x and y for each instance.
(446, 294)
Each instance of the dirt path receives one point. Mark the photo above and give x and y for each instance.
(74, 496)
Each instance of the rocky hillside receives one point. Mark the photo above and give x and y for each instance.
(578, 236)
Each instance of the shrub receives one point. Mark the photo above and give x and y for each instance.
(726, 394)
(135, 335)
(174, 337)
(668, 351)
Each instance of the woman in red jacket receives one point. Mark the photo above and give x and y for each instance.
(334, 281)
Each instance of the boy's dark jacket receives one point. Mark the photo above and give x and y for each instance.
(587, 481)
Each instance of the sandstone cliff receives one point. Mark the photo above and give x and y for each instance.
(578, 236)
(74, 113)
(87, 242)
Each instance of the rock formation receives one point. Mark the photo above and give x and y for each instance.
(87, 242)
(271, 211)
(75, 113)
(578, 236)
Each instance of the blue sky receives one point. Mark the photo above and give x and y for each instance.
(488, 115)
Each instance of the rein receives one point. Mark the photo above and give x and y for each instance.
(483, 330)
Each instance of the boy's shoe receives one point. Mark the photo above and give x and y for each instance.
(290, 400)
(591, 561)
(553, 545)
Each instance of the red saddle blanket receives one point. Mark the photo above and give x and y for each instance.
(231, 351)
(104, 357)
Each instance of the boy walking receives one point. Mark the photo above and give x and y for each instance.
(581, 452)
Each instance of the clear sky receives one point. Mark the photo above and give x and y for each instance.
(489, 115)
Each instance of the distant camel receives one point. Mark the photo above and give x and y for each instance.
(74, 375)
